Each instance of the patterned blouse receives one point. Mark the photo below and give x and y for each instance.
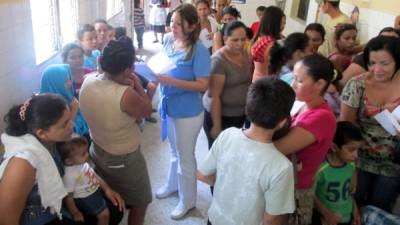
(377, 153)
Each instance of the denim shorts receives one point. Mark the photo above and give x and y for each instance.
(92, 204)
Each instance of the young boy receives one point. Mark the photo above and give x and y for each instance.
(88, 40)
(334, 182)
(253, 181)
(83, 184)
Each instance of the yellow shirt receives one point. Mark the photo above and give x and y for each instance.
(329, 43)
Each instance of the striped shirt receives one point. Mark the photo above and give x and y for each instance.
(138, 17)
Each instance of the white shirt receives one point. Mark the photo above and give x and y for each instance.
(80, 180)
(252, 178)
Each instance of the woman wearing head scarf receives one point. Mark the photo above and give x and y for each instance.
(57, 79)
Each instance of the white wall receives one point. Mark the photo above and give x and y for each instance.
(19, 75)
(371, 21)
(17, 59)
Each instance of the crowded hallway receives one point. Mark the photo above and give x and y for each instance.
(200, 112)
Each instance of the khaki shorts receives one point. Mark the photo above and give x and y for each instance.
(126, 174)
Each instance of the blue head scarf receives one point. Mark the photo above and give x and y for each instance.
(54, 79)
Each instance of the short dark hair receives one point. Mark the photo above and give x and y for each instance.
(319, 67)
(390, 29)
(334, 4)
(119, 32)
(231, 11)
(83, 29)
(261, 8)
(117, 56)
(271, 23)
(100, 21)
(343, 27)
(67, 48)
(67, 148)
(388, 44)
(206, 2)
(316, 27)
(230, 27)
(281, 53)
(43, 111)
(346, 132)
(269, 101)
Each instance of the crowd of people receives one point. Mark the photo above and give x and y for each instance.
(291, 122)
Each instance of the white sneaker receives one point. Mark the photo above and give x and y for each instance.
(180, 211)
(164, 192)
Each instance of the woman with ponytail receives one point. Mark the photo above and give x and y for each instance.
(181, 107)
(285, 53)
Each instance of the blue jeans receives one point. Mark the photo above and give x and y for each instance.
(139, 36)
(376, 190)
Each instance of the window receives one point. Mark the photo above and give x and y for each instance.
(281, 4)
(113, 7)
(302, 11)
(54, 24)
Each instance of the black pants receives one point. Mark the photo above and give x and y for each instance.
(227, 121)
(316, 219)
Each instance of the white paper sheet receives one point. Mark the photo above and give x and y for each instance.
(388, 121)
(396, 113)
(160, 63)
(296, 107)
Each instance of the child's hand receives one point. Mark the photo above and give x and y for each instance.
(78, 216)
(115, 198)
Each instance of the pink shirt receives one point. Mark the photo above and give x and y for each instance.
(321, 122)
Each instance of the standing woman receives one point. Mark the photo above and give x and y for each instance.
(181, 107)
(271, 26)
(225, 100)
(313, 129)
(363, 97)
(208, 24)
(157, 18)
(111, 103)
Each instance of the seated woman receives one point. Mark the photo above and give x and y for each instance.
(31, 188)
(72, 54)
(57, 79)
(363, 97)
(225, 99)
(272, 23)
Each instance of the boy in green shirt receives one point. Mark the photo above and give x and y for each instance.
(335, 181)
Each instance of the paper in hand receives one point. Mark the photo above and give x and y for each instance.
(143, 70)
(296, 107)
(160, 63)
(388, 121)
